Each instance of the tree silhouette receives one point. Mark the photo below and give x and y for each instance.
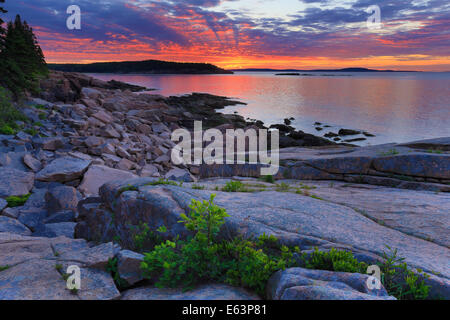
(23, 62)
(2, 30)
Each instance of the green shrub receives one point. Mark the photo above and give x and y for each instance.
(144, 238)
(112, 268)
(31, 131)
(436, 151)
(234, 186)
(306, 187)
(162, 181)
(245, 263)
(4, 268)
(283, 187)
(392, 152)
(8, 114)
(268, 179)
(17, 201)
(6, 129)
(197, 187)
(401, 282)
(334, 260)
(204, 258)
(126, 189)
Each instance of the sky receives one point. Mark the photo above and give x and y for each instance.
(234, 34)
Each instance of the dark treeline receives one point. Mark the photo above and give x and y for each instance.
(22, 62)
(148, 66)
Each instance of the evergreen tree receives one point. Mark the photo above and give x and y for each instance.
(22, 59)
(2, 30)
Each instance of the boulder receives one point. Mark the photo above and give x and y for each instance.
(204, 292)
(11, 213)
(32, 163)
(33, 274)
(110, 132)
(125, 165)
(63, 169)
(149, 170)
(34, 280)
(50, 143)
(91, 93)
(62, 216)
(348, 132)
(93, 141)
(103, 117)
(160, 128)
(97, 285)
(97, 176)
(62, 198)
(87, 257)
(15, 182)
(13, 226)
(13, 160)
(304, 284)
(32, 217)
(178, 174)
(144, 129)
(3, 204)
(54, 230)
(129, 266)
(121, 152)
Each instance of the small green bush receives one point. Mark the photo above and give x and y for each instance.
(283, 187)
(17, 201)
(164, 182)
(234, 186)
(245, 263)
(112, 268)
(144, 238)
(436, 151)
(401, 282)
(31, 131)
(204, 258)
(8, 114)
(268, 179)
(392, 152)
(7, 130)
(4, 268)
(334, 260)
(197, 187)
(126, 189)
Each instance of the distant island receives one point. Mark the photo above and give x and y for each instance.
(291, 71)
(145, 67)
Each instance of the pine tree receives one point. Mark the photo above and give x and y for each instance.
(2, 30)
(22, 59)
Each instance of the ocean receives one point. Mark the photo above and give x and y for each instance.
(395, 107)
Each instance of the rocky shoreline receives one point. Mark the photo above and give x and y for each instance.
(82, 167)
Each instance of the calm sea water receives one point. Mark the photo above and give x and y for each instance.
(396, 107)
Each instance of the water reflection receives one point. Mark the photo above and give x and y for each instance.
(396, 107)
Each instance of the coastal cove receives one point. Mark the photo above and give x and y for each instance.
(395, 107)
